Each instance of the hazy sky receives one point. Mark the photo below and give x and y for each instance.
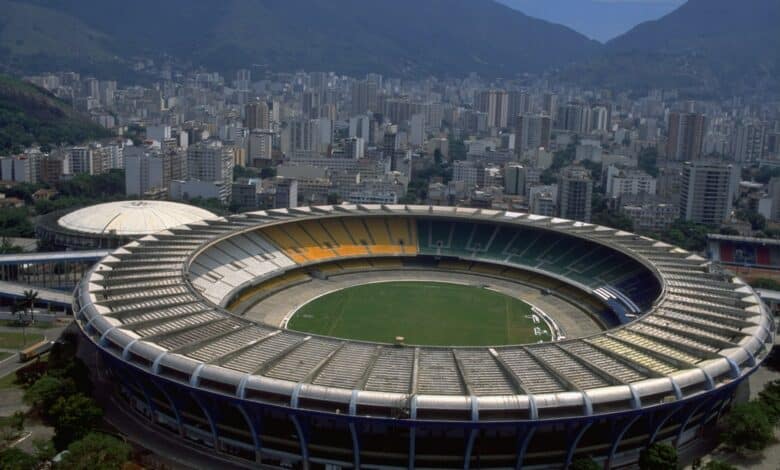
(597, 19)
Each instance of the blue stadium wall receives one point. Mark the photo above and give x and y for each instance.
(251, 432)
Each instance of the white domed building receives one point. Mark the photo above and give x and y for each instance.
(114, 224)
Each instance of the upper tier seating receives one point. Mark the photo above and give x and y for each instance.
(586, 262)
(320, 240)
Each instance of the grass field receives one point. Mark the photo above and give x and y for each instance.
(424, 313)
(13, 340)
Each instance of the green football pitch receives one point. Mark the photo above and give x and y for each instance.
(424, 313)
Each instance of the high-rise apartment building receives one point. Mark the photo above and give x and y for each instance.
(144, 172)
(515, 180)
(80, 161)
(360, 126)
(495, 103)
(519, 103)
(574, 117)
(706, 192)
(749, 142)
(622, 182)
(210, 161)
(685, 136)
(259, 150)
(575, 190)
(258, 116)
(364, 97)
(354, 148)
(314, 136)
(532, 132)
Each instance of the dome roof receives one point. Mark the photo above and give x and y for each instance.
(127, 218)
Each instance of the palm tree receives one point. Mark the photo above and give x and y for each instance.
(30, 296)
(18, 311)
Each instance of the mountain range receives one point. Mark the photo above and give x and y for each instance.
(598, 19)
(402, 37)
(712, 45)
(706, 46)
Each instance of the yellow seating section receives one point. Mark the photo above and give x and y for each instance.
(404, 232)
(289, 246)
(382, 244)
(345, 244)
(319, 240)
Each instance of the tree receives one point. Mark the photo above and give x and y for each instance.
(30, 296)
(30, 373)
(659, 456)
(765, 283)
(44, 449)
(757, 221)
(11, 427)
(457, 149)
(96, 451)
(748, 427)
(438, 158)
(15, 222)
(648, 161)
(73, 417)
(585, 463)
(718, 465)
(42, 394)
(269, 172)
(7, 247)
(15, 459)
(770, 398)
(687, 235)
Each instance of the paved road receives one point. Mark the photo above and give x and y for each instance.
(12, 364)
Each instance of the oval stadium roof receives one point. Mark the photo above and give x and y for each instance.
(132, 217)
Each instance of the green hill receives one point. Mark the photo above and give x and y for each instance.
(31, 115)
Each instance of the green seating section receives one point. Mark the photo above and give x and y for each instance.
(575, 258)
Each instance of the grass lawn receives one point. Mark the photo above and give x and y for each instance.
(5, 355)
(38, 325)
(14, 340)
(8, 381)
(424, 313)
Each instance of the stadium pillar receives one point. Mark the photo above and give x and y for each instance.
(618, 438)
(575, 441)
(355, 444)
(687, 421)
(654, 433)
(152, 409)
(210, 418)
(302, 440)
(174, 407)
(470, 448)
(525, 434)
(252, 428)
(412, 432)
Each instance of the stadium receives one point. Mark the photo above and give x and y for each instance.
(400, 336)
